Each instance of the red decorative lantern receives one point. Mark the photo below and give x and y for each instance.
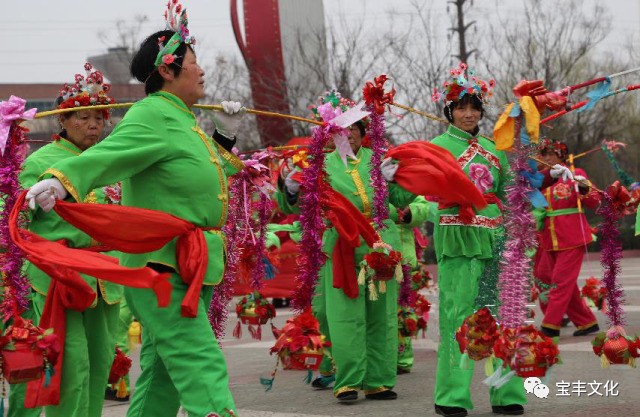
(478, 334)
(28, 352)
(615, 347)
(594, 293)
(380, 265)
(253, 310)
(534, 353)
(300, 344)
(408, 322)
(304, 359)
(119, 369)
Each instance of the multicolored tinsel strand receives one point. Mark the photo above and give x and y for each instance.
(514, 280)
(223, 293)
(376, 131)
(259, 269)
(311, 256)
(610, 255)
(15, 284)
(405, 298)
(488, 285)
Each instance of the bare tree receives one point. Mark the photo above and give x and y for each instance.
(461, 28)
(127, 34)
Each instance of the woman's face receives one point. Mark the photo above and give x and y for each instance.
(84, 128)
(189, 84)
(466, 117)
(355, 138)
(550, 158)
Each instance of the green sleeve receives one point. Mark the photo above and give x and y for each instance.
(638, 223)
(422, 211)
(136, 143)
(398, 196)
(271, 239)
(31, 171)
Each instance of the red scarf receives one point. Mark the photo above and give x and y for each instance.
(126, 229)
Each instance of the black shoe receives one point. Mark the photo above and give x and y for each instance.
(588, 330)
(443, 410)
(323, 382)
(382, 395)
(402, 371)
(565, 322)
(347, 396)
(511, 409)
(549, 332)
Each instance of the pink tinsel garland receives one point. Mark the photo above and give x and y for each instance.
(405, 298)
(376, 131)
(611, 253)
(520, 234)
(16, 285)
(311, 256)
(259, 269)
(223, 293)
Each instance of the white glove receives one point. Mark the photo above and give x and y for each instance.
(580, 178)
(227, 122)
(388, 168)
(561, 171)
(292, 186)
(45, 193)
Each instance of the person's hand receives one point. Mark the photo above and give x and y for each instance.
(561, 171)
(45, 193)
(388, 168)
(292, 186)
(227, 122)
(580, 178)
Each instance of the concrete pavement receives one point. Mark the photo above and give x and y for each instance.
(588, 389)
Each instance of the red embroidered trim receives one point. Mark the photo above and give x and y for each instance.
(478, 221)
(472, 150)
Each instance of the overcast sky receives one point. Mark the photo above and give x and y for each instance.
(45, 41)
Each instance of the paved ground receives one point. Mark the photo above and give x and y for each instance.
(290, 397)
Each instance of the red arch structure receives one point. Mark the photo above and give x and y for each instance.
(261, 48)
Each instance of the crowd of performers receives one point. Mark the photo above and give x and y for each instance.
(158, 158)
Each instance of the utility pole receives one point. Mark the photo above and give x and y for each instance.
(461, 28)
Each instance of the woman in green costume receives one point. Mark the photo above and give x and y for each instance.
(465, 245)
(363, 333)
(167, 163)
(90, 334)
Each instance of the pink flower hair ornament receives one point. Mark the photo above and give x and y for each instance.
(176, 19)
(463, 81)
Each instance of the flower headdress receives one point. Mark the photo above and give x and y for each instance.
(89, 90)
(176, 18)
(463, 81)
(547, 145)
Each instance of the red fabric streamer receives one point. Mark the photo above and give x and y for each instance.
(69, 291)
(430, 170)
(374, 94)
(350, 225)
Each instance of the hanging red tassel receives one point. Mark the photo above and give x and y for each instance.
(237, 331)
(276, 332)
(253, 331)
